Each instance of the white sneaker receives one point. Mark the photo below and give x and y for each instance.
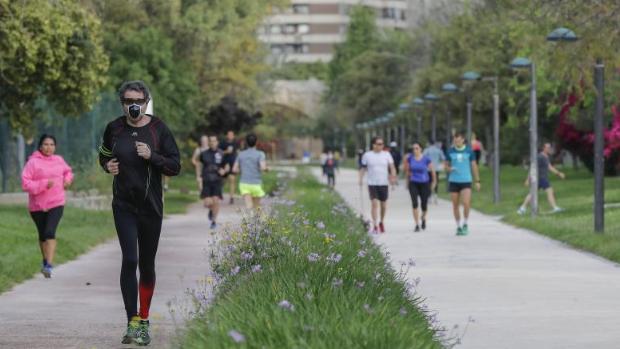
(557, 209)
(521, 211)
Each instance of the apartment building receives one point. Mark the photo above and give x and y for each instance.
(308, 30)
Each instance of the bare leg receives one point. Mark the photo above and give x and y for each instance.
(248, 201)
(383, 209)
(416, 217)
(526, 202)
(49, 248)
(551, 197)
(374, 207)
(215, 207)
(42, 247)
(256, 203)
(232, 181)
(455, 208)
(466, 197)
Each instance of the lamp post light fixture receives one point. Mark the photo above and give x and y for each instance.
(469, 77)
(567, 35)
(449, 88)
(419, 102)
(433, 99)
(522, 63)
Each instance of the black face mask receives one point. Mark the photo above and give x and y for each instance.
(134, 111)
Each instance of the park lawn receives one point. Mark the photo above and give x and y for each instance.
(20, 257)
(574, 226)
(322, 283)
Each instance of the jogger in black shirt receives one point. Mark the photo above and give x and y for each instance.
(138, 149)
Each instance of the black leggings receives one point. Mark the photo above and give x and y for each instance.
(47, 222)
(331, 180)
(138, 236)
(422, 190)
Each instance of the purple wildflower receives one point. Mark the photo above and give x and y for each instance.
(361, 253)
(247, 255)
(334, 258)
(236, 336)
(235, 270)
(336, 282)
(284, 304)
(257, 268)
(411, 262)
(403, 311)
(360, 284)
(313, 257)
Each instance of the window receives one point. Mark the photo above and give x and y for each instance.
(301, 9)
(290, 29)
(303, 28)
(389, 13)
(275, 29)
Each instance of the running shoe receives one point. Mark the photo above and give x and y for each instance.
(210, 215)
(557, 210)
(46, 270)
(381, 227)
(374, 230)
(132, 330)
(417, 229)
(232, 200)
(143, 337)
(459, 232)
(521, 211)
(213, 225)
(424, 224)
(465, 229)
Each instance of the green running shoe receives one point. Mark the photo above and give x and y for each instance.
(143, 336)
(132, 330)
(465, 229)
(459, 231)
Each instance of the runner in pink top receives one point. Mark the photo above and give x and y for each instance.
(45, 177)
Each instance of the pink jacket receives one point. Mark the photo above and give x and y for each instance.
(38, 171)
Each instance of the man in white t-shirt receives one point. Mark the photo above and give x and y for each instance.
(377, 163)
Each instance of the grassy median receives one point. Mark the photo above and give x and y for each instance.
(575, 194)
(307, 276)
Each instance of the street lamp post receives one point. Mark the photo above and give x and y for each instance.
(404, 107)
(470, 76)
(496, 163)
(433, 99)
(449, 88)
(520, 63)
(419, 102)
(567, 35)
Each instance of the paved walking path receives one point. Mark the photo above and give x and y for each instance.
(522, 290)
(67, 312)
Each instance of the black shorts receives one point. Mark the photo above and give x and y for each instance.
(211, 189)
(455, 187)
(47, 222)
(543, 184)
(378, 192)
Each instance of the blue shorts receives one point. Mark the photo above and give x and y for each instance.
(543, 184)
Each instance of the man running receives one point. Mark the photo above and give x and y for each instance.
(212, 169)
(330, 165)
(544, 166)
(437, 156)
(230, 148)
(460, 164)
(137, 150)
(251, 163)
(377, 162)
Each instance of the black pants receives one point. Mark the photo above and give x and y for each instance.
(422, 190)
(331, 179)
(138, 236)
(47, 222)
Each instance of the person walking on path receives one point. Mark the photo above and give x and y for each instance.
(437, 156)
(330, 165)
(377, 162)
(477, 147)
(212, 169)
(460, 165)
(45, 178)
(137, 150)
(396, 156)
(230, 147)
(251, 164)
(422, 179)
(544, 166)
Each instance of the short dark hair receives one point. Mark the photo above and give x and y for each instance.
(134, 85)
(251, 140)
(375, 139)
(459, 133)
(44, 137)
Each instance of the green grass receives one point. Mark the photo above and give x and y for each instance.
(356, 302)
(20, 256)
(575, 194)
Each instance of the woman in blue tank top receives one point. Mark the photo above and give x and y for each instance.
(418, 167)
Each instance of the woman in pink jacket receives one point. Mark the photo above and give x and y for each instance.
(45, 178)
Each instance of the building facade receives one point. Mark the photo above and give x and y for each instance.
(307, 30)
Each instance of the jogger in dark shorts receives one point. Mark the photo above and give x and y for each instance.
(544, 167)
(213, 168)
(138, 149)
(460, 165)
(377, 162)
(417, 168)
